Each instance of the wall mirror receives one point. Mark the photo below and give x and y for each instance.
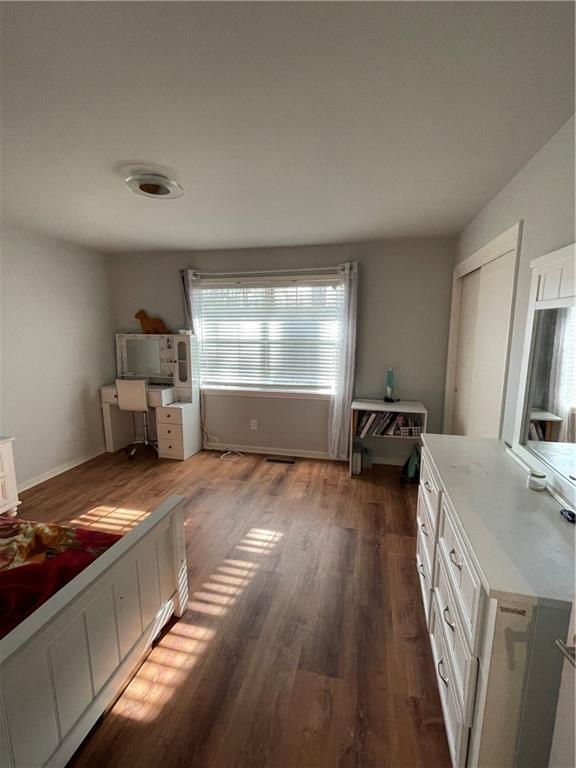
(545, 432)
(550, 422)
(144, 356)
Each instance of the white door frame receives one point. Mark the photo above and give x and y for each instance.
(506, 242)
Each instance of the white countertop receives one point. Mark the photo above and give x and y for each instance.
(520, 541)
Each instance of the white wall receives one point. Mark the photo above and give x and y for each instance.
(403, 306)
(542, 195)
(57, 349)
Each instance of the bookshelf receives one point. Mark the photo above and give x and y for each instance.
(371, 416)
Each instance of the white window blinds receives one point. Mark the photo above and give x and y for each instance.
(281, 334)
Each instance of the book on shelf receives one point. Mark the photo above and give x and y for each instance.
(392, 428)
(387, 424)
(379, 423)
(362, 419)
(387, 419)
(369, 422)
(535, 431)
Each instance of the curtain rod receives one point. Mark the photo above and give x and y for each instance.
(264, 271)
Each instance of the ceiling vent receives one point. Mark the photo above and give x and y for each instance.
(155, 185)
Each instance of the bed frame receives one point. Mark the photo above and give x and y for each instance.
(64, 665)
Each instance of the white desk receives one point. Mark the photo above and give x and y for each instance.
(176, 424)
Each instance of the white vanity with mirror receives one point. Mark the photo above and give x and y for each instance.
(495, 557)
(169, 364)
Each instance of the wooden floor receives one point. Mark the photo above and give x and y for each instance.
(304, 643)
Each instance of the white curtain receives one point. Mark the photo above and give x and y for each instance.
(562, 390)
(185, 289)
(341, 401)
(191, 284)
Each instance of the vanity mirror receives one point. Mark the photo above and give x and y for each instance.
(545, 435)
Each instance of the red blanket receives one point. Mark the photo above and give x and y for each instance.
(38, 559)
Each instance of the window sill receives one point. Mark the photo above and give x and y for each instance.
(286, 394)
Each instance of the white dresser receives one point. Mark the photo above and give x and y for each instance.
(8, 488)
(496, 562)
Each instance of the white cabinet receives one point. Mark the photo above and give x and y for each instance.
(179, 432)
(186, 368)
(500, 595)
(8, 488)
(556, 275)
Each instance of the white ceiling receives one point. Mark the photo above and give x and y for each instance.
(286, 123)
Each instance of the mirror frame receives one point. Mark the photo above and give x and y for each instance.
(552, 287)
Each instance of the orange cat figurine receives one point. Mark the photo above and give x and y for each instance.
(151, 324)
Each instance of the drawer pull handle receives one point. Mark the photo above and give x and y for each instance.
(420, 569)
(423, 529)
(427, 486)
(167, 415)
(446, 613)
(453, 559)
(440, 666)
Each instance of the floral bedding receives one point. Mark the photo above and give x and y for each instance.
(38, 559)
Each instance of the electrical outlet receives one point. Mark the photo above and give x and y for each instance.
(254, 424)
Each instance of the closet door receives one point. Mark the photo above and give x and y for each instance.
(483, 342)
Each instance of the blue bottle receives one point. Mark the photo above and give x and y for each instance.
(389, 386)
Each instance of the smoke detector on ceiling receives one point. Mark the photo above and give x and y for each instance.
(150, 184)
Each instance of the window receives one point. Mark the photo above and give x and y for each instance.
(279, 335)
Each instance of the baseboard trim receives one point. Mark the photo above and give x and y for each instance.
(209, 446)
(27, 484)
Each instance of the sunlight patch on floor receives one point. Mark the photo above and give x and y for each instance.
(110, 519)
(180, 648)
(166, 667)
(259, 541)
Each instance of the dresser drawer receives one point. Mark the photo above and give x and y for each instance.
(462, 576)
(170, 449)
(463, 664)
(159, 396)
(171, 431)
(425, 575)
(430, 489)
(168, 415)
(425, 531)
(457, 732)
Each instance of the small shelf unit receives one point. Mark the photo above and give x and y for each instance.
(410, 409)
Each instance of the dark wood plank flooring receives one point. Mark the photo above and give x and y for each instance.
(304, 644)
